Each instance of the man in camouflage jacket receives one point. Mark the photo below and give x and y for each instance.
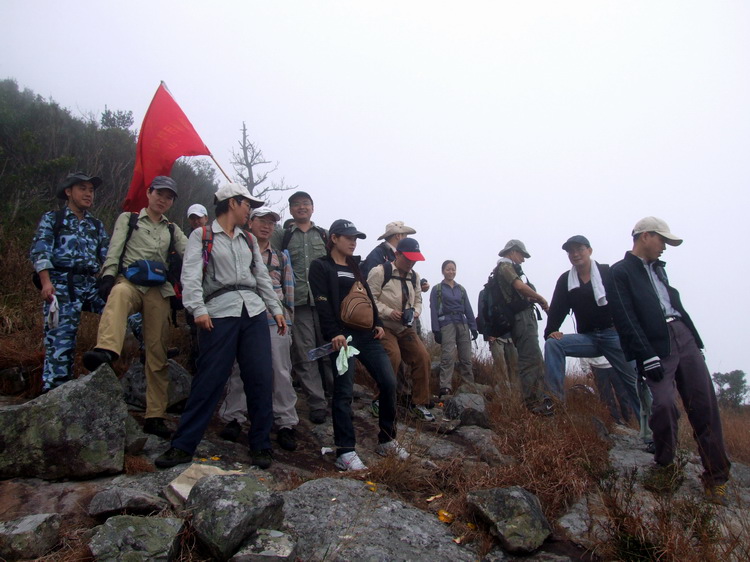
(67, 252)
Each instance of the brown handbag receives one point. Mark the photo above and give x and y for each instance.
(356, 309)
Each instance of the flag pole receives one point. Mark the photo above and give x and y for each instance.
(220, 168)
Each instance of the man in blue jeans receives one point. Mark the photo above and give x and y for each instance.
(582, 290)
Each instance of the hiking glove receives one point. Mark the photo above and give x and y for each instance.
(652, 369)
(438, 337)
(474, 335)
(104, 286)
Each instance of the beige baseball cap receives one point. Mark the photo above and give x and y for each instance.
(654, 224)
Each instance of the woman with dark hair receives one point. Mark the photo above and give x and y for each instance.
(331, 279)
(454, 327)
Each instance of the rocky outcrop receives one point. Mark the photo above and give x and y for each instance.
(74, 431)
(515, 517)
(228, 509)
(127, 537)
(134, 384)
(267, 545)
(125, 500)
(469, 408)
(345, 520)
(29, 537)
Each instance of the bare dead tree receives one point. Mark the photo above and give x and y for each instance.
(246, 162)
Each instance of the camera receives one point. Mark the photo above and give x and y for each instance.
(407, 317)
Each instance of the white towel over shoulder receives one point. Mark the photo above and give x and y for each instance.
(596, 283)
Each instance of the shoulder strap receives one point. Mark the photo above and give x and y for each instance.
(207, 240)
(439, 291)
(57, 226)
(132, 225)
(287, 238)
(387, 273)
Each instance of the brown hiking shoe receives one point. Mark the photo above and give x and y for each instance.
(717, 494)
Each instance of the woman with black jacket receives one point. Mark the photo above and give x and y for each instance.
(331, 278)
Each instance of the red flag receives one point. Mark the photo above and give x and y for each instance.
(166, 134)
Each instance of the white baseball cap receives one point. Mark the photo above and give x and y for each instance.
(229, 190)
(198, 210)
(654, 224)
(265, 211)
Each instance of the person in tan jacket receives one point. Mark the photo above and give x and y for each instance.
(395, 287)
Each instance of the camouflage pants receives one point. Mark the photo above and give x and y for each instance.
(60, 342)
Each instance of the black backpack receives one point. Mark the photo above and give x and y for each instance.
(494, 318)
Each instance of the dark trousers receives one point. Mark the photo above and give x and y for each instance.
(685, 371)
(249, 341)
(375, 360)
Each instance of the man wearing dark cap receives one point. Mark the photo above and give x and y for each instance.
(582, 290)
(656, 331)
(141, 242)
(508, 282)
(305, 241)
(395, 287)
(67, 252)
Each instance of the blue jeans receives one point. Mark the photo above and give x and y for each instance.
(375, 360)
(592, 344)
(246, 338)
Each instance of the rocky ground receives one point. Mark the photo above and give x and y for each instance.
(63, 453)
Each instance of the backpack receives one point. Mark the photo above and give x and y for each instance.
(288, 236)
(207, 239)
(388, 275)
(494, 318)
(56, 228)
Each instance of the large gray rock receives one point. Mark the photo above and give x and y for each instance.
(469, 408)
(342, 519)
(125, 500)
(515, 516)
(483, 441)
(135, 439)
(227, 509)
(131, 539)
(76, 430)
(29, 537)
(267, 545)
(134, 384)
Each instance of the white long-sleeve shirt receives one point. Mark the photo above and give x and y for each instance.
(228, 266)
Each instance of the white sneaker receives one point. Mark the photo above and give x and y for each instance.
(350, 461)
(392, 448)
(422, 413)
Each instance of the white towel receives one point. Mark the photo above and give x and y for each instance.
(53, 316)
(596, 283)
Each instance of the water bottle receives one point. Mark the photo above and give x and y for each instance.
(318, 352)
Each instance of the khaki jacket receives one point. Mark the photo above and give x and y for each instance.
(389, 297)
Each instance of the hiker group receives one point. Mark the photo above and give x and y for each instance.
(265, 303)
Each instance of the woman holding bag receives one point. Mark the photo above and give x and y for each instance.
(346, 319)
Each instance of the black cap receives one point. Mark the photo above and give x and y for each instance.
(300, 195)
(164, 182)
(343, 227)
(74, 178)
(577, 239)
